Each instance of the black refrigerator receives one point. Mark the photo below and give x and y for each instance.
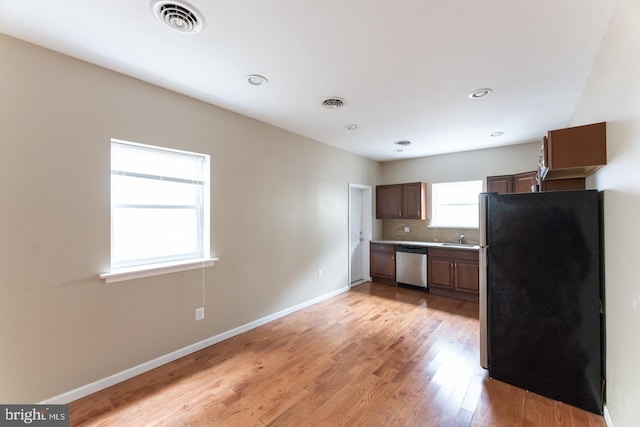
(540, 294)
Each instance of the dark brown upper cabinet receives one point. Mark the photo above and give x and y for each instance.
(525, 182)
(574, 152)
(500, 184)
(401, 201)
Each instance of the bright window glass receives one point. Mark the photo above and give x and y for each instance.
(455, 204)
(159, 205)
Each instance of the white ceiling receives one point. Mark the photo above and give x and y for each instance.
(404, 67)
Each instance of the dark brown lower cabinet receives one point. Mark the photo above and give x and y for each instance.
(383, 263)
(453, 273)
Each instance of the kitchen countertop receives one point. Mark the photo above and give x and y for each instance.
(468, 246)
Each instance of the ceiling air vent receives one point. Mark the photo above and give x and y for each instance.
(178, 15)
(333, 103)
(402, 143)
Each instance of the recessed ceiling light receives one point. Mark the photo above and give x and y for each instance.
(333, 103)
(257, 80)
(495, 134)
(352, 126)
(480, 93)
(403, 142)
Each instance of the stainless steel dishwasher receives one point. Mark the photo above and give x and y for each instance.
(411, 265)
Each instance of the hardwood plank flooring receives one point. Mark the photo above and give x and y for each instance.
(373, 356)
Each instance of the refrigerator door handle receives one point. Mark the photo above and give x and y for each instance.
(483, 312)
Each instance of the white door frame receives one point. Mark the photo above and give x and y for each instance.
(367, 230)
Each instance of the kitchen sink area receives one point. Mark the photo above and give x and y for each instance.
(413, 252)
(473, 246)
(449, 269)
(461, 245)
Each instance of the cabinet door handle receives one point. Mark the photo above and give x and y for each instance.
(455, 274)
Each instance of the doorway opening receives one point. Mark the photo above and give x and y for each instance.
(360, 231)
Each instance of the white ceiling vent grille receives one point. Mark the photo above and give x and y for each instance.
(333, 103)
(180, 16)
(403, 142)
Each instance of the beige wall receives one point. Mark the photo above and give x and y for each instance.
(612, 94)
(464, 166)
(278, 206)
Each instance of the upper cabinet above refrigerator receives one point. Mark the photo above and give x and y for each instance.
(574, 152)
(566, 157)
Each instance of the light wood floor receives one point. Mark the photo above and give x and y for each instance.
(373, 356)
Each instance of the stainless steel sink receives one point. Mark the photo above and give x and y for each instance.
(460, 245)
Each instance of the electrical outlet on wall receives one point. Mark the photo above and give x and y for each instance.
(407, 229)
(199, 314)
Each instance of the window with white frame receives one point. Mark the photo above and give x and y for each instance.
(159, 205)
(455, 204)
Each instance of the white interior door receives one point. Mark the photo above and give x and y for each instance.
(360, 232)
(355, 234)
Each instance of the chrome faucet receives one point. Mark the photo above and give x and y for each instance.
(460, 238)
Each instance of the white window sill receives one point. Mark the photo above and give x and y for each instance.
(464, 227)
(123, 274)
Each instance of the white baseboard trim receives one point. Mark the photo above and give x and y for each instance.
(607, 417)
(98, 385)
